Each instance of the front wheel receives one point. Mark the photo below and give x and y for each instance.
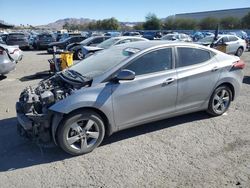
(81, 132)
(79, 55)
(220, 101)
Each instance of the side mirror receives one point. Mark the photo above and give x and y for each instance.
(125, 75)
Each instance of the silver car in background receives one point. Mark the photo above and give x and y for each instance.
(89, 50)
(9, 56)
(125, 86)
(234, 44)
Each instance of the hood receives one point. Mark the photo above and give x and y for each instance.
(55, 43)
(89, 49)
(38, 99)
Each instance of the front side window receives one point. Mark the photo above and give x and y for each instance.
(156, 61)
(108, 43)
(192, 56)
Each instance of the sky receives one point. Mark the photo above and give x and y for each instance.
(39, 12)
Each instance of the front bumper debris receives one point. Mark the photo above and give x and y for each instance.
(33, 126)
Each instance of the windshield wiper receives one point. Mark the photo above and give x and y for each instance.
(75, 74)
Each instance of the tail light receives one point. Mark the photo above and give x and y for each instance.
(14, 51)
(239, 64)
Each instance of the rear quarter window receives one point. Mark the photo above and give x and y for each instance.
(192, 56)
(232, 38)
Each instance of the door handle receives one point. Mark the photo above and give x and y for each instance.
(168, 81)
(215, 69)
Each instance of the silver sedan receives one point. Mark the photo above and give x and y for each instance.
(9, 56)
(125, 86)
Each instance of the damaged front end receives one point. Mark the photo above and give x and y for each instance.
(33, 114)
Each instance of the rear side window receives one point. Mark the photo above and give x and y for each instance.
(156, 61)
(232, 38)
(191, 56)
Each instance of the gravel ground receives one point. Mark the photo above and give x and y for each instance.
(188, 151)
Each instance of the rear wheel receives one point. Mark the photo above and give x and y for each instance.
(239, 52)
(220, 101)
(81, 132)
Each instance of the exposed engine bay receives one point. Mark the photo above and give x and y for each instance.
(34, 102)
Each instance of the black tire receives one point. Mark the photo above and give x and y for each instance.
(74, 127)
(79, 55)
(219, 102)
(239, 52)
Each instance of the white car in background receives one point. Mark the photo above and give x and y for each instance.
(9, 56)
(178, 37)
(234, 44)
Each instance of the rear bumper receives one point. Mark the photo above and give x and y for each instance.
(42, 45)
(7, 66)
(22, 45)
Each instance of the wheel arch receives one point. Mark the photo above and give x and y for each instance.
(99, 112)
(58, 118)
(231, 87)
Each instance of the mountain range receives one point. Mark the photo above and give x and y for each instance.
(59, 23)
(75, 21)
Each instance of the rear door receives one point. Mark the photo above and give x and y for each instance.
(233, 44)
(197, 74)
(224, 41)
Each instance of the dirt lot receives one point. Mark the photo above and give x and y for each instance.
(188, 151)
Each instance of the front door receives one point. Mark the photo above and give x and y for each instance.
(151, 95)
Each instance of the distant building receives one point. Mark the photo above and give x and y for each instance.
(238, 13)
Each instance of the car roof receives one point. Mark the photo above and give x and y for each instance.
(128, 37)
(227, 35)
(143, 45)
(16, 33)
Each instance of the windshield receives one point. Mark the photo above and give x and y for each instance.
(102, 61)
(207, 39)
(41, 37)
(170, 37)
(87, 40)
(107, 43)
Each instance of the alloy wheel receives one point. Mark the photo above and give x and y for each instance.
(221, 101)
(82, 134)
